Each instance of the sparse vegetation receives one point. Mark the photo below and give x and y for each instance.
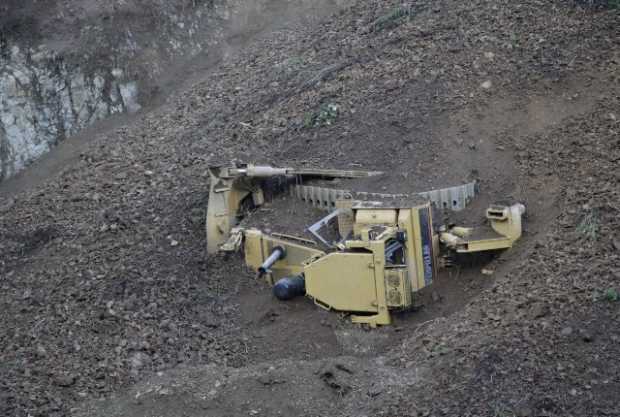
(589, 225)
(612, 295)
(609, 295)
(393, 18)
(295, 61)
(117, 309)
(325, 116)
(292, 64)
(611, 4)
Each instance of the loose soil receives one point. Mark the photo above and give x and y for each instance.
(112, 307)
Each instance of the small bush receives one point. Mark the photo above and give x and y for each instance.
(611, 4)
(589, 225)
(326, 116)
(292, 64)
(612, 295)
(393, 18)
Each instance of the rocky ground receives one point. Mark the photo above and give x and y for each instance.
(66, 65)
(111, 306)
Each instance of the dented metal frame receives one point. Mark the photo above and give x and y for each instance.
(316, 227)
(357, 274)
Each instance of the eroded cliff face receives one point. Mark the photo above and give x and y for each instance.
(44, 99)
(65, 65)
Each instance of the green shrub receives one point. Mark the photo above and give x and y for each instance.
(589, 225)
(393, 18)
(325, 116)
(612, 295)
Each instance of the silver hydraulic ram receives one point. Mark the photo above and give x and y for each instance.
(277, 254)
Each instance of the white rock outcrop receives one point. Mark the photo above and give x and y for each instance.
(49, 92)
(44, 100)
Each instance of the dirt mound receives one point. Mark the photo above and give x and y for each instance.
(104, 276)
(541, 340)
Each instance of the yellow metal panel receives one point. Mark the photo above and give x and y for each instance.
(375, 216)
(218, 221)
(506, 220)
(484, 245)
(505, 229)
(411, 225)
(292, 263)
(417, 243)
(253, 248)
(343, 281)
(225, 197)
(259, 246)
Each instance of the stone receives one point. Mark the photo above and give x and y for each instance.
(41, 352)
(539, 310)
(269, 380)
(586, 336)
(64, 380)
(139, 360)
(523, 410)
(375, 390)
(486, 85)
(129, 94)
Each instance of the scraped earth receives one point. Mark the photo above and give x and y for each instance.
(112, 307)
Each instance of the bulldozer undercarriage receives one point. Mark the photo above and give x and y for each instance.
(368, 256)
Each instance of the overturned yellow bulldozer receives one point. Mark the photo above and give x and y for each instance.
(371, 252)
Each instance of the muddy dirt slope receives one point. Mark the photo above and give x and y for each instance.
(112, 308)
